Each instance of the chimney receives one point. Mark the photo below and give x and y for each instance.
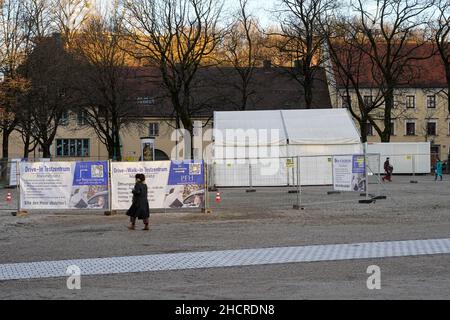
(58, 39)
(267, 64)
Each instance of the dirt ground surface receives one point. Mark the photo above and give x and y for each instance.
(261, 219)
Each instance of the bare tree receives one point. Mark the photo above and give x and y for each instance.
(392, 36)
(49, 98)
(242, 49)
(176, 36)
(104, 88)
(26, 129)
(70, 16)
(38, 21)
(12, 54)
(348, 67)
(441, 34)
(302, 38)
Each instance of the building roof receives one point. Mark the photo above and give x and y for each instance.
(426, 72)
(217, 89)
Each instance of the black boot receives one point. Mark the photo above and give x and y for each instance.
(132, 225)
(146, 225)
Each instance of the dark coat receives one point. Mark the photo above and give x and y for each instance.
(139, 208)
(387, 167)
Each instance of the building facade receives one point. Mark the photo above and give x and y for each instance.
(420, 113)
(216, 89)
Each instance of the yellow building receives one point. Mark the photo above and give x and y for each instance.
(271, 89)
(75, 142)
(421, 111)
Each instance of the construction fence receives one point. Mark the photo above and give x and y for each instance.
(103, 185)
(292, 182)
(227, 184)
(9, 188)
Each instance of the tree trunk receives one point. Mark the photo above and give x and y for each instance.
(5, 145)
(111, 153)
(308, 97)
(384, 137)
(46, 150)
(26, 146)
(244, 94)
(308, 89)
(190, 128)
(118, 152)
(363, 127)
(448, 96)
(244, 100)
(447, 75)
(110, 147)
(389, 104)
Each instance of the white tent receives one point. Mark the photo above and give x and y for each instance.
(242, 137)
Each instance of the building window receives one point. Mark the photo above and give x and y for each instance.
(346, 102)
(72, 147)
(145, 101)
(81, 117)
(431, 102)
(410, 102)
(62, 92)
(392, 128)
(368, 100)
(153, 129)
(369, 129)
(64, 121)
(431, 128)
(410, 128)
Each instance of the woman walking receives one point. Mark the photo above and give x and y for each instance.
(139, 208)
(388, 168)
(438, 170)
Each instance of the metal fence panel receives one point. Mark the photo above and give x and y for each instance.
(298, 182)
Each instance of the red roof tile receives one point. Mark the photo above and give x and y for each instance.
(426, 72)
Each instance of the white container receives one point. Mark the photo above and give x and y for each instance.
(405, 157)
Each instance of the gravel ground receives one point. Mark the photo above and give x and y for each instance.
(244, 220)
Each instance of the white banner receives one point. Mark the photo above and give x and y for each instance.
(123, 180)
(349, 173)
(64, 185)
(44, 186)
(170, 184)
(14, 170)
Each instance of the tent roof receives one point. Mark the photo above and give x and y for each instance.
(325, 126)
(295, 127)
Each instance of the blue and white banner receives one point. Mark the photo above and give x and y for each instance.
(170, 184)
(64, 185)
(186, 185)
(349, 173)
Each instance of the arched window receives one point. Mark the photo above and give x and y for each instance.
(161, 155)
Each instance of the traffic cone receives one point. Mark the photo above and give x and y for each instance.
(9, 197)
(218, 198)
